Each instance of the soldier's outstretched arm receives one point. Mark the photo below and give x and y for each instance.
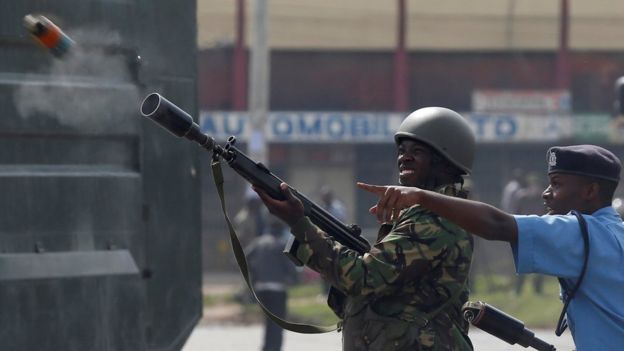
(476, 217)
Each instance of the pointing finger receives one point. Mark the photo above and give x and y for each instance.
(375, 189)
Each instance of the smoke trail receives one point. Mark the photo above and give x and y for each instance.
(91, 88)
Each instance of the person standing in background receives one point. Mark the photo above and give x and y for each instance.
(249, 220)
(249, 223)
(336, 208)
(333, 205)
(509, 197)
(530, 202)
(271, 273)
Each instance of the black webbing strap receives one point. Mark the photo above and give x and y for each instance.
(242, 265)
(568, 294)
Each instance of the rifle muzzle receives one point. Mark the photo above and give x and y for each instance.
(174, 119)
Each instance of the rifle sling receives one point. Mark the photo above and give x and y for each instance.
(242, 265)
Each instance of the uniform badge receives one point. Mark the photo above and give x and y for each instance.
(552, 159)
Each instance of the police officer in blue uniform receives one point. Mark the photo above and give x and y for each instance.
(582, 178)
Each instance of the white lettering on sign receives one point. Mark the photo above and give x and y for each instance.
(356, 127)
(492, 127)
(306, 126)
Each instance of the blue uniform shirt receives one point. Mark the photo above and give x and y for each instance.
(553, 245)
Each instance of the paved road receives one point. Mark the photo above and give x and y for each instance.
(249, 338)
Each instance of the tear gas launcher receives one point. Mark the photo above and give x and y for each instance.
(180, 124)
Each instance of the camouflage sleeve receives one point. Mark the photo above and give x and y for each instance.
(410, 250)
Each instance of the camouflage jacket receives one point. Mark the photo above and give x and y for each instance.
(416, 265)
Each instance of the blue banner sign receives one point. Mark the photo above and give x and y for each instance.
(361, 127)
(307, 127)
(504, 127)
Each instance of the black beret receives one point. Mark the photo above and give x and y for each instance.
(585, 160)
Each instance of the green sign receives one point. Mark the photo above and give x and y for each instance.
(591, 127)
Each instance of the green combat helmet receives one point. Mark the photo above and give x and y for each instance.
(444, 130)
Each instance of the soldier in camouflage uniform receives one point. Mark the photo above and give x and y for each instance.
(407, 292)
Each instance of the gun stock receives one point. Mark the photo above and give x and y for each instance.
(179, 123)
(502, 325)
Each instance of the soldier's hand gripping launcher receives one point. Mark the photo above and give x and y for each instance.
(502, 325)
(180, 124)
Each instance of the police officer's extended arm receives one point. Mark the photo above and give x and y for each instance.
(476, 217)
